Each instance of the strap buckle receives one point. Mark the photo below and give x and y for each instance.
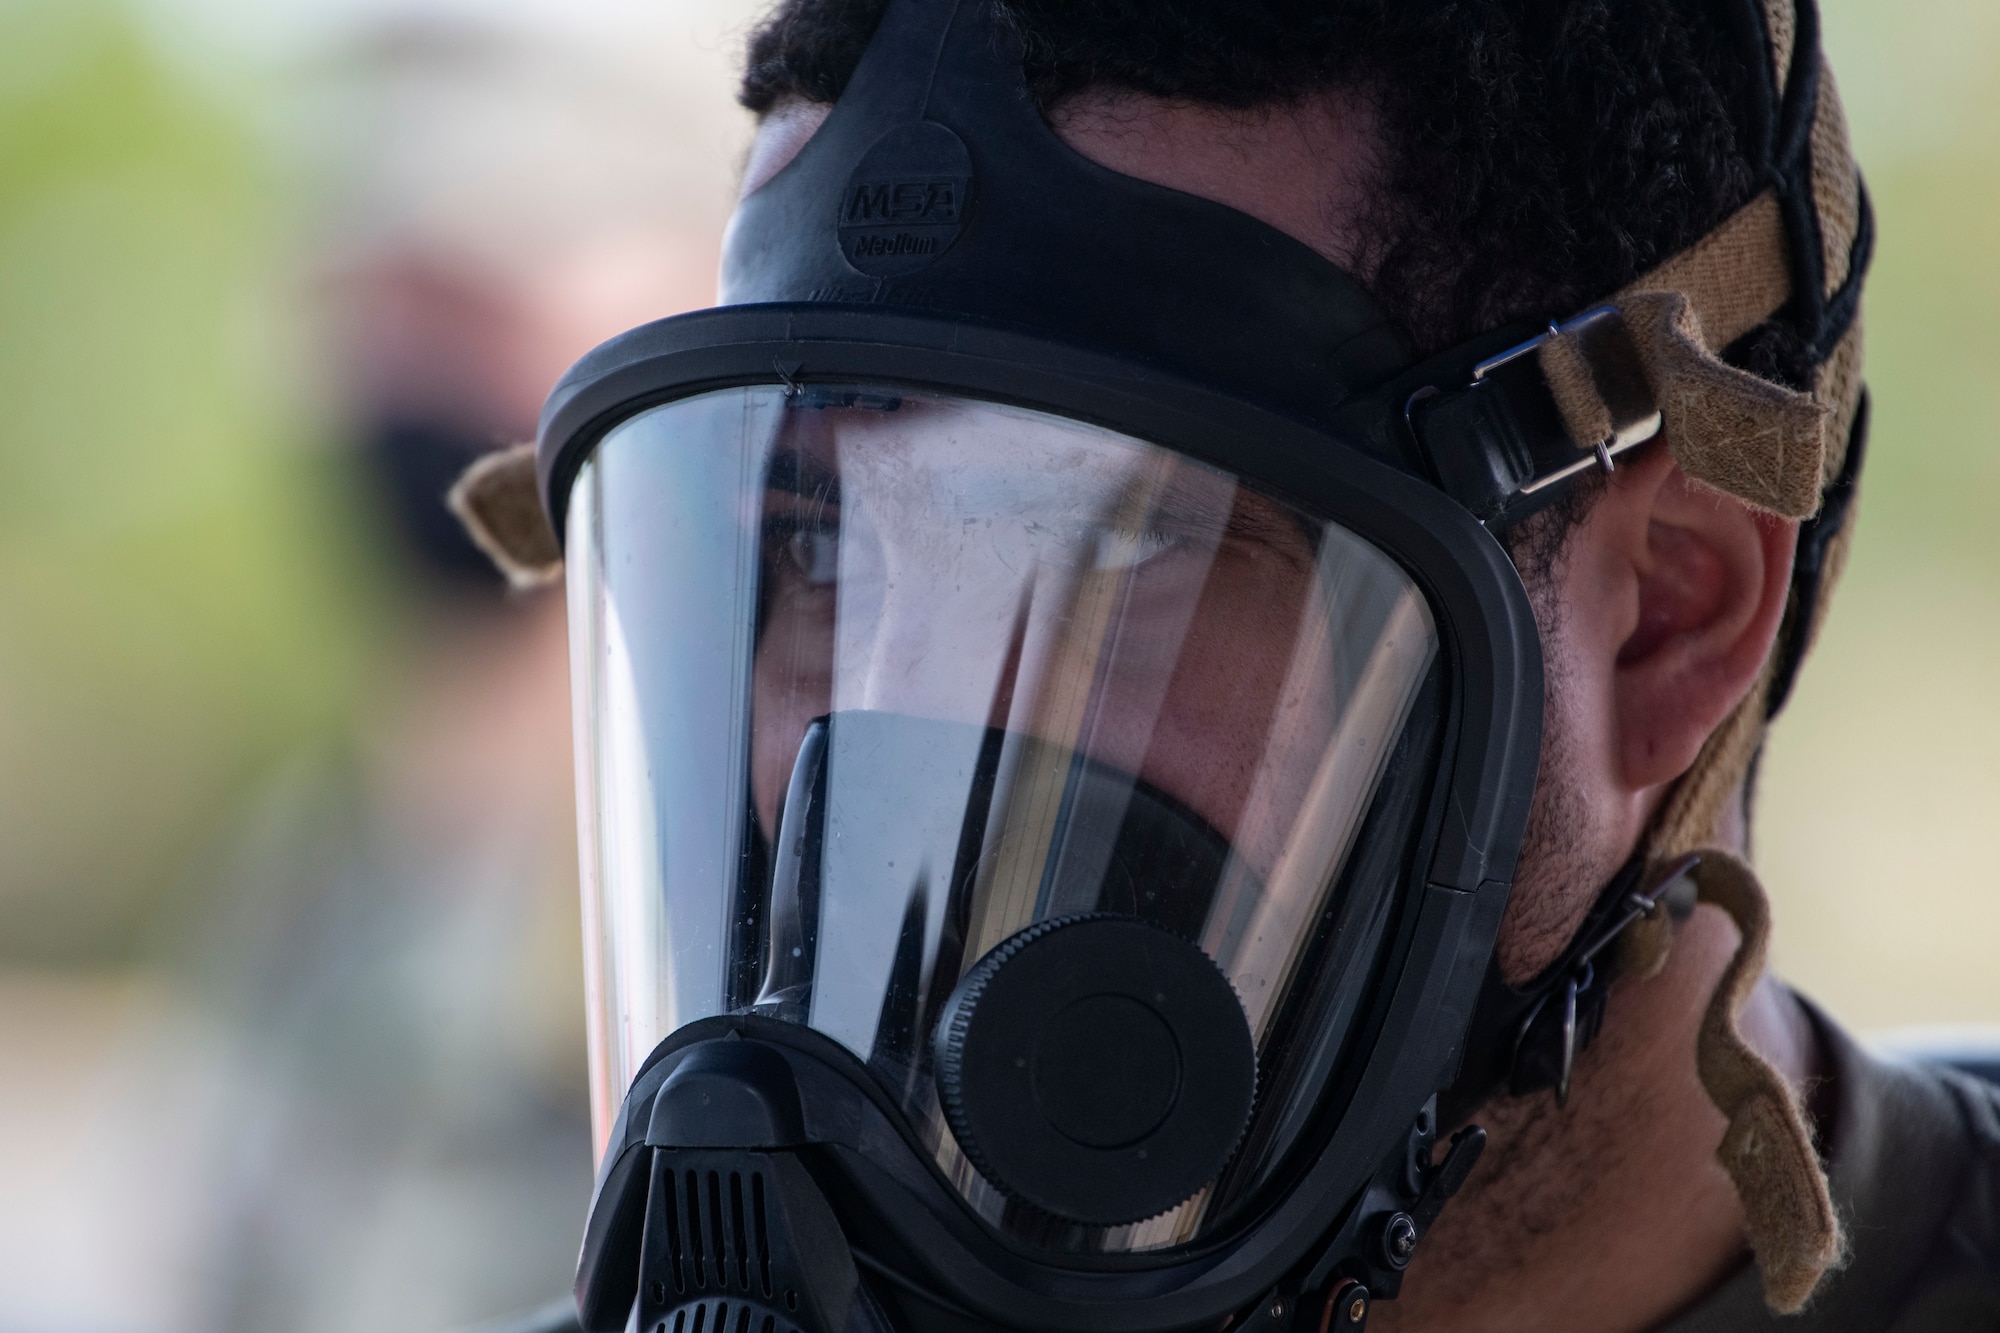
(1499, 444)
(1578, 990)
(1607, 347)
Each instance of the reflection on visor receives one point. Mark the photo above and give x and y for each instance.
(870, 682)
(1160, 862)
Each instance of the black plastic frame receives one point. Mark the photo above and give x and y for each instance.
(1486, 624)
(1491, 654)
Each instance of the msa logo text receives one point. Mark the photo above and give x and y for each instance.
(907, 201)
(873, 246)
(903, 202)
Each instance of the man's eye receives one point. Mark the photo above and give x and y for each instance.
(816, 552)
(1118, 548)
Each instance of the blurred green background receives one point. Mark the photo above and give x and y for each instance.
(196, 608)
(1881, 787)
(291, 1022)
(181, 601)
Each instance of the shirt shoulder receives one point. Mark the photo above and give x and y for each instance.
(1957, 1288)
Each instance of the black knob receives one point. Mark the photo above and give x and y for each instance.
(1098, 1067)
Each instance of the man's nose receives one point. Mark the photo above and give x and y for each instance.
(952, 620)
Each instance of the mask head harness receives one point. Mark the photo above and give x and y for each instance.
(1097, 1068)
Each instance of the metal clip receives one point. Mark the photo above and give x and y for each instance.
(1583, 971)
(1516, 352)
(1621, 380)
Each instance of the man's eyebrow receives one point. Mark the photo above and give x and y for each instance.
(794, 472)
(1249, 515)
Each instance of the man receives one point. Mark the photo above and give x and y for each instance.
(1721, 1156)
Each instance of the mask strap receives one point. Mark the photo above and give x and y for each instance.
(501, 507)
(1738, 432)
(1767, 1149)
(1525, 1039)
(1788, 1213)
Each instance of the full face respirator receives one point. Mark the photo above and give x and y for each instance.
(1056, 728)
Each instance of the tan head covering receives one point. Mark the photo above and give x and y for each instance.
(1794, 254)
(1768, 446)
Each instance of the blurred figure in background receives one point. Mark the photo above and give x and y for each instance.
(373, 1092)
(402, 952)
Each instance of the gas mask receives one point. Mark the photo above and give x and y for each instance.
(1056, 728)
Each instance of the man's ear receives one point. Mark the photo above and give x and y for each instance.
(1707, 579)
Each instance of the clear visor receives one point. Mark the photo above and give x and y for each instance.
(869, 681)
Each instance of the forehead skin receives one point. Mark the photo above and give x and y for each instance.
(1307, 169)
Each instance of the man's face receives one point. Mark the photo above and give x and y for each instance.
(970, 565)
(1308, 170)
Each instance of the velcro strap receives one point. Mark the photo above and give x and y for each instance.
(501, 508)
(1742, 434)
(1767, 1149)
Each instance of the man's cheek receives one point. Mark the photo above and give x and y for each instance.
(1217, 737)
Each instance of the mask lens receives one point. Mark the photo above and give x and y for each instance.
(869, 683)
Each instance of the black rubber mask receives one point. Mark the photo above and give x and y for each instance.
(1053, 748)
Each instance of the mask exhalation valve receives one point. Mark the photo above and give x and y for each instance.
(1098, 1067)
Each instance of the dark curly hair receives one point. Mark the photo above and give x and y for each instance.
(1539, 153)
